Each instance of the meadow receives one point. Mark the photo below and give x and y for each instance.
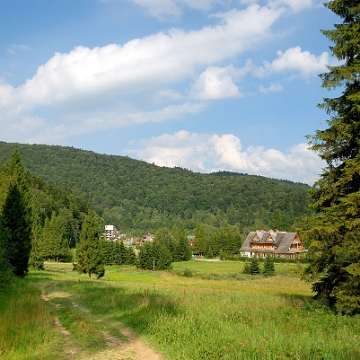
(198, 310)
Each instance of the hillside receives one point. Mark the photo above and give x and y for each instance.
(138, 197)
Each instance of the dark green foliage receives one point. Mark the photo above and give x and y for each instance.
(120, 253)
(89, 250)
(55, 240)
(154, 256)
(246, 269)
(17, 229)
(145, 260)
(269, 267)
(115, 253)
(225, 241)
(130, 256)
(200, 241)
(5, 266)
(334, 254)
(182, 249)
(139, 196)
(254, 266)
(163, 236)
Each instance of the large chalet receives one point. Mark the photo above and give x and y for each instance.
(281, 244)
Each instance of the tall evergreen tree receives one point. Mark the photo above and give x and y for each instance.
(182, 250)
(200, 241)
(15, 223)
(269, 267)
(89, 250)
(5, 266)
(334, 254)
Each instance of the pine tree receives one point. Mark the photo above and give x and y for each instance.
(334, 254)
(89, 251)
(15, 223)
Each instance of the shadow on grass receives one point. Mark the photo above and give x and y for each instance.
(304, 302)
(135, 308)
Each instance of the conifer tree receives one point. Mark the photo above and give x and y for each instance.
(130, 257)
(15, 223)
(200, 242)
(269, 267)
(5, 266)
(334, 254)
(37, 255)
(182, 250)
(254, 266)
(89, 251)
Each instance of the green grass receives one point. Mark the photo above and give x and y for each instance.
(182, 317)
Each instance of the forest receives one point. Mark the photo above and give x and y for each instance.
(138, 197)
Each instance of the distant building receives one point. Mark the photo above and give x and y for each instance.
(281, 244)
(147, 238)
(111, 232)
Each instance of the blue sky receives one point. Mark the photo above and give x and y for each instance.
(206, 85)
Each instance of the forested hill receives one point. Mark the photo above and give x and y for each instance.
(138, 196)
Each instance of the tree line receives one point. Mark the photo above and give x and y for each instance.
(139, 197)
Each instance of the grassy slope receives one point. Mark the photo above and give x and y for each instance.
(183, 317)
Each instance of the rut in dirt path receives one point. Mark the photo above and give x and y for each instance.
(133, 348)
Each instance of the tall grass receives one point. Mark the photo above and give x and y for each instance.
(184, 317)
(27, 328)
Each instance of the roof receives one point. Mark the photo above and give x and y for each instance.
(281, 239)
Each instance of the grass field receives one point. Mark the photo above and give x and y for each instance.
(198, 310)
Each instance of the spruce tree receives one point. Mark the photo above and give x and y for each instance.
(269, 267)
(254, 266)
(6, 270)
(182, 251)
(15, 223)
(334, 254)
(200, 242)
(89, 250)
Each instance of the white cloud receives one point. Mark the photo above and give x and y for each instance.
(294, 59)
(209, 153)
(215, 83)
(83, 80)
(272, 88)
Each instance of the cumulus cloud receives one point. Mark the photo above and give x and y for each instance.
(209, 153)
(70, 84)
(215, 83)
(294, 61)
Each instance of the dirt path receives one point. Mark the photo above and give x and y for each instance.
(133, 348)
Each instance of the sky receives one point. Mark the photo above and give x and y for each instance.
(206, 85)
